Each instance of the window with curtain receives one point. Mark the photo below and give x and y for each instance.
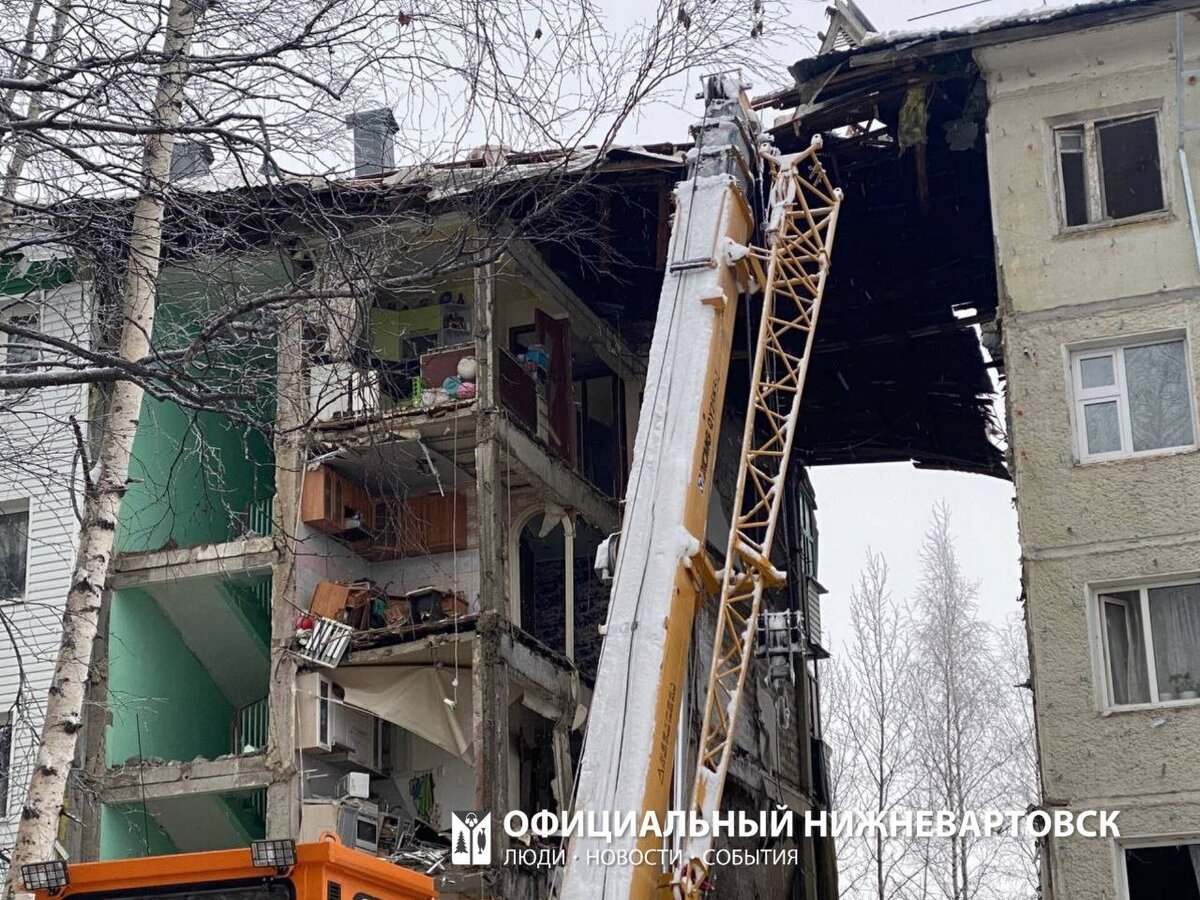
(1151, 639)
(1132, 399)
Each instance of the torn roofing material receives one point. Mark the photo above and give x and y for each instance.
(897, 45)
(900, 368)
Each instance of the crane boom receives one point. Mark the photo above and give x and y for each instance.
(803, 212)
(663, 571)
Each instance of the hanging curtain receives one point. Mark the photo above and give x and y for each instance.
(1126, 647)
(1175, 627)
(415, 698)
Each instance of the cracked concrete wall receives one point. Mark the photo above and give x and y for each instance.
(1087, 524)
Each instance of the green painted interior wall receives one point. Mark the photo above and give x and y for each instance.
(250, 598)
(194, 474)
(247, 810)
(123, 833)
(154, 678)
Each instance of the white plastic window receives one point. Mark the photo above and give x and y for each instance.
(1151, 643)
(1132, 399)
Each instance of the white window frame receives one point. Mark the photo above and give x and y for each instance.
(1093, 167)
(1120, 868)
(1082, 397)
(1100, 643)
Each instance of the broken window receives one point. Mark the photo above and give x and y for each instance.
(1132, 399)
(14, 541)
(601, 410)
(1109, 170)
(561, 600)
(1171, 870)
(542, 569)
(591, 599)
(1151, 639)
(532, 758)
(808, 530)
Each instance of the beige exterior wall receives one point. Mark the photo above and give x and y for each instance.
(1084, 525)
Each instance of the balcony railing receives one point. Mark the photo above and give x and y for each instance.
(249, 729)
(256, 519)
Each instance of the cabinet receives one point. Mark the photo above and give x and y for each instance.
(382, 528)
(434, 524)
(327, 725)
(331, 598)
(333, 504)
(385, 541)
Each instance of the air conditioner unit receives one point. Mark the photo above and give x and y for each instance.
(337, 390)
(329, 727)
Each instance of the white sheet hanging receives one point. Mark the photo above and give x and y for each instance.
(414, 698)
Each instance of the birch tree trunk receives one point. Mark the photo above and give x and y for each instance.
(104, 491)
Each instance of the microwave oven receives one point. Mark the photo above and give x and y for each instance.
(358, 826)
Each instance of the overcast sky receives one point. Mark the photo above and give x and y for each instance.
(885, 507)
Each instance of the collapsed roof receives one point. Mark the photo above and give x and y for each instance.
(899, 371)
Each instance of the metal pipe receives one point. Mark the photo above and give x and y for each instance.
(1181, 132)
(1191, 203)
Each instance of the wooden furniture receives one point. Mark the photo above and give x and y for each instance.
(433, 524)
(454, 605)
(385, 541)
(382, 528)
(333, 504)
(430, 604)
(332, 598)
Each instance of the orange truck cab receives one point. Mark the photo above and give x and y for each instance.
(321, 871)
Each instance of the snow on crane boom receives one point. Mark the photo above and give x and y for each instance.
(663, 571)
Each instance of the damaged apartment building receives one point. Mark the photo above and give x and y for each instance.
(388, 606)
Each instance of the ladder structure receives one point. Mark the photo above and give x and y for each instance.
(663, 573)
(802, 219)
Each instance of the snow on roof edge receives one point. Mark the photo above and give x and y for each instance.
(985, 24)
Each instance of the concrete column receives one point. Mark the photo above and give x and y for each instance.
(489, 678)
(283, 794)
